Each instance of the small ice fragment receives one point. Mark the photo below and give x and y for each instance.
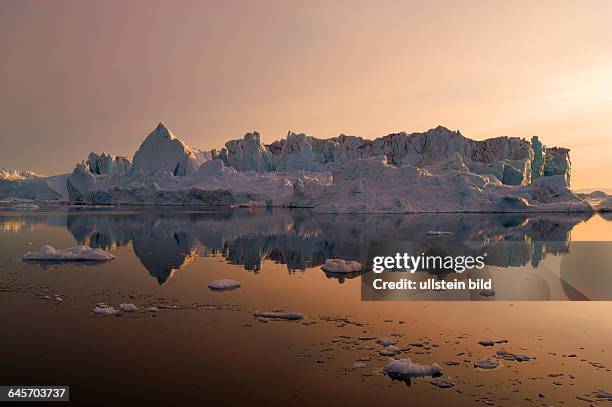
(405, 369)
(224, 284)
(602, 394)
(58, 298)
(341, 266)
(104, 310)
(78, 253)
(386, 341)
(487, 364)
(25, 206)
(443, 384)
(151, 309)
(128, 307)
(390, 350)
(359, 365)
(438, 233)
(486, 342)
(512, 356)
(290, 316)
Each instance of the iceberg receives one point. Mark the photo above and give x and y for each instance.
(438, 170)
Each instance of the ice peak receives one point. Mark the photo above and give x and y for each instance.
(162, 131)
(162, 150)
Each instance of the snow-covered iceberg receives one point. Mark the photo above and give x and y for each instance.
(78, 253)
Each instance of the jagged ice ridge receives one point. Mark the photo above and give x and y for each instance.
(435, 171)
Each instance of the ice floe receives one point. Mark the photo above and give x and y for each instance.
(512, 356)
(102, 309)
(439, 233)
(486, 364)
(390, 350)
(404, 369)
(279, 315)
(386, 341)
(25, 207)
(602, 394)
(443, 384)
(128, 307)
(490, 342)
(78, 253)
(224, 284)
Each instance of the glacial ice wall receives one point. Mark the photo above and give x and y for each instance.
(512, 160)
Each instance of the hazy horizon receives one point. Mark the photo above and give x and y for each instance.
(81, 76)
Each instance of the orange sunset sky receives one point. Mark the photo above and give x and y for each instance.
(82, 75)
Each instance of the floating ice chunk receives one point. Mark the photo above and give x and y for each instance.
(439, 233)
(487, 364)
(224, 284)
(602, 394)
(78, 253)
(359, 365)
(443, 384)
(489, 342)
(25, 207)
(128, 307)
(341, 266)
(104, 310)
(404, 369)
(390, 350)
(151, 309)
(386, 341)
(288, 315)
(512, 356)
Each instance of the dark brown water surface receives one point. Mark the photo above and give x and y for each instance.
(206, 346)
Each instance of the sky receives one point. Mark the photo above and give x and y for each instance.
(83, 75)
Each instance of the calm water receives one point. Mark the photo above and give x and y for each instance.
(206, 346)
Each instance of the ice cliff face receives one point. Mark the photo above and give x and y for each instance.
(107, 164)
(162, 151)
(248, 154)
(509, 159)
(374, 186)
